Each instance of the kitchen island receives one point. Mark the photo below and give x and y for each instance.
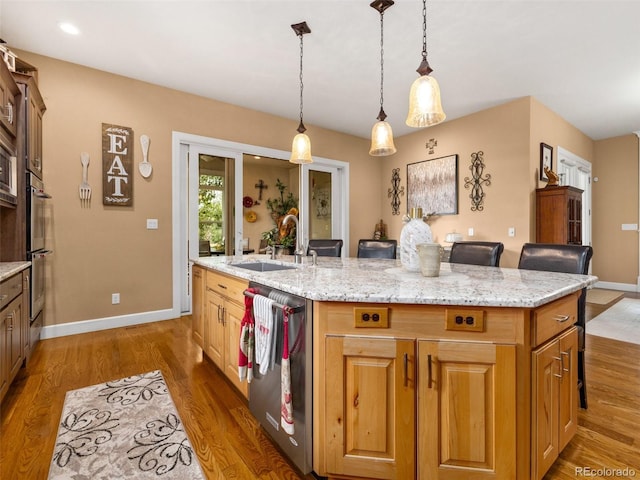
(472, 374)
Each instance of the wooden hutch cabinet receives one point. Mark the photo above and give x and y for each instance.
(559, 215)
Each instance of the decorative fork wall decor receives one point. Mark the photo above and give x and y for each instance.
(85, 188)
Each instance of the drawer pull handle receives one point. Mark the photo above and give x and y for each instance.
(224, 287)
(561, 318)
(562, 355)
(405, 362)
(429, 372)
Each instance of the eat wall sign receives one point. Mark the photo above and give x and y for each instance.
(117, 165)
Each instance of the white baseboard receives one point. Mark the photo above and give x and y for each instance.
(86, 326)
(623, 287)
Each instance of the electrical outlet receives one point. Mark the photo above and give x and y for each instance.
(115, 298)
(152, 223)
(471, 232)
(371, 317)
(464, 319)
(512, 232)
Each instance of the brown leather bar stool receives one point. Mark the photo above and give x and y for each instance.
(326, 247)
(566, 259)
(377, 248)
(477, 253)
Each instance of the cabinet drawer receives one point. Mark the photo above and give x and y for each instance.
(10, 289)
(553, 318)
(229, 287)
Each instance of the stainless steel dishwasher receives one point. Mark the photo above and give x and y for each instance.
(264, 390)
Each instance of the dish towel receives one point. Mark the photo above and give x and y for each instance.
(263, 314)
(286, 404)
(245, 351)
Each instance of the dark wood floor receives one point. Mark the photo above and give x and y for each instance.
(229, 442)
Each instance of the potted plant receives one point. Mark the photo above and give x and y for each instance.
(281, 236)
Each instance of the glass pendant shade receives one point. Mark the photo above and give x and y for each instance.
(301, 149)
(425, 106)
(382, 140)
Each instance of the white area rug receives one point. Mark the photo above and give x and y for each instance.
(620, 322)
(127, 428)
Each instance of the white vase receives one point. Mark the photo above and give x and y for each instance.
(414, 231)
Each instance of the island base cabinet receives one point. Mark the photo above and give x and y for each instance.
(555, 396)
(197, 305)
(370, 405)
(223, 313)
(466, 411)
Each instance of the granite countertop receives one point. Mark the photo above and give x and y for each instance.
(385, 281)
(9, 269)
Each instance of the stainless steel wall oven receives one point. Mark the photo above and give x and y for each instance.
(36, 251)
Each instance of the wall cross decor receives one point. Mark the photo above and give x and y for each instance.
(476, 183)
(261, 186)
(395, 191)
(431, 145)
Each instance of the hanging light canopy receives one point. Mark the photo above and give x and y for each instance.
(425, 106)
(301, 147)
(381, 133)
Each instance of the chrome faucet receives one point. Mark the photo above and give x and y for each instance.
(299, 251)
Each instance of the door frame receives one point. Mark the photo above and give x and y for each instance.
(181, 259)
(571, 161)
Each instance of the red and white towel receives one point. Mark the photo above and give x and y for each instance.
(245, 352)
(286, 404)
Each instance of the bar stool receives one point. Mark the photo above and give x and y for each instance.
(476, 253)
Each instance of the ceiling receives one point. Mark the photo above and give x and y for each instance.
(580, 58)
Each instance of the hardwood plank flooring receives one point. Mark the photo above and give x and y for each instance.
(230, 443)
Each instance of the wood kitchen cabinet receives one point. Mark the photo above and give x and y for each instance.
(370, 424)
(466, 410)
(9, 96)
(555, 399)
(469, 388)
(12, 317)
(559, 215)
(223, 313)
(34, 108)
(197, 305)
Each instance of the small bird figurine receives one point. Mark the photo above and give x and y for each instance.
(552, 176)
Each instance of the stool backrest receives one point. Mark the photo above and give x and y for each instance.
(377, 248)
(477, 253)
(326, 247)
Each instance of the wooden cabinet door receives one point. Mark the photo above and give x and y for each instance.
(14, 336)
(369, 404)
(466, 410)
(34, 129)
(4, 353)
(234, 314)
(9, 96)
(568, 390)
(214, 328)
(197, 306)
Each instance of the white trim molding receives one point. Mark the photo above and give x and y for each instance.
(86, 326)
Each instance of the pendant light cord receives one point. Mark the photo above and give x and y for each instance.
(382, 115)
(301, 127)
(424, 30)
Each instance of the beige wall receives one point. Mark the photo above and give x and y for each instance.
(101, 250)
(615, 202)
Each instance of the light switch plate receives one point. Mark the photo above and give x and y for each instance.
(152, 223)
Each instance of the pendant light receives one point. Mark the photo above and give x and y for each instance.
(301, 147)
(381, 133)
(425, 107)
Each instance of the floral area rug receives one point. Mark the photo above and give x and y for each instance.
(127, 428)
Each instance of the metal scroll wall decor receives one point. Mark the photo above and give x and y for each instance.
(476, 183)
(395, 191)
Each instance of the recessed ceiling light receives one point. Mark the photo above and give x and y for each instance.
(69, 28)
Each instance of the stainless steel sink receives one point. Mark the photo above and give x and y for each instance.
(262, 266)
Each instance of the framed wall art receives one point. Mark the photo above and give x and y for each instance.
(546, 160)
(433, 185)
